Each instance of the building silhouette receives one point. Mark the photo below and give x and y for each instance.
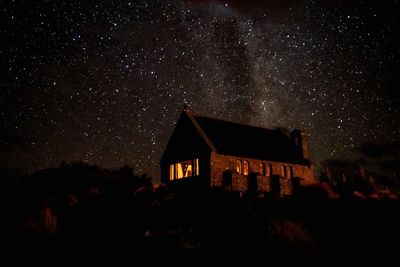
(205, 152)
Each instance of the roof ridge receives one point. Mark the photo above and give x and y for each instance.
(238, 123)
(200, 129)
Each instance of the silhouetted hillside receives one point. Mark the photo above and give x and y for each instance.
(79, 210)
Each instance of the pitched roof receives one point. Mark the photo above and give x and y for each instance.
(235, 139)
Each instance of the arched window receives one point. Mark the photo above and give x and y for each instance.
(238, 166)
(245, 167)
(263, 169)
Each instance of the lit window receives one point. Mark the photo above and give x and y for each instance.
(245, 167)
(196, 166)
(238, 166)
(171, 171)
(184, 169)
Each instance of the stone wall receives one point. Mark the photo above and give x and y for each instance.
(264, 183)
(239, 182)
(221, 163)
(286, 187)
(305, 173)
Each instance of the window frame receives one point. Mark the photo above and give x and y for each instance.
(173, 169)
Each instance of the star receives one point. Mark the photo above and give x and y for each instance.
(106, 83)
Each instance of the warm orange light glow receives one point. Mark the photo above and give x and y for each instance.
(184, 169)
(171, 171)
(245, 167)
(197, 166)
(238, 166)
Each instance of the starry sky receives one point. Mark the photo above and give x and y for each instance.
(105, 81)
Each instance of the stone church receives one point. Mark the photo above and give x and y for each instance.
(205, 152)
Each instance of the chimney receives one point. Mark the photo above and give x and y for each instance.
(300, 144)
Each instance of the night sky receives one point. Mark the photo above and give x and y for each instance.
(105, 82)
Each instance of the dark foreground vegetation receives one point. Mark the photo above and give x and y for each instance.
(81, 213)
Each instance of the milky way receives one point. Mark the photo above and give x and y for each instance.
(105, 82)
